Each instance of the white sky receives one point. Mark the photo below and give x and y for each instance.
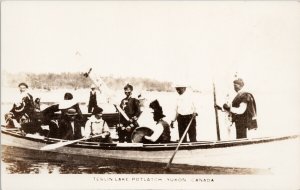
(165, 40)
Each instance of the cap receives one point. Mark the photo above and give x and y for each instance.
(97, 110)
(128, 86)
(23, 84)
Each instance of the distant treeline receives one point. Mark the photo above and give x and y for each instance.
(51, 81)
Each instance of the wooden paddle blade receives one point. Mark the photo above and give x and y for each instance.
(61, 144)
(122, 112)
(57, 145)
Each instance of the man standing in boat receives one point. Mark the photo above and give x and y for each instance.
(93, 99)
(131, 108)
(242, 111)
(185, 111)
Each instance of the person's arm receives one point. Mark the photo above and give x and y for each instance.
(156, 133)
(105, 128)
(240, 110)
(175, 118)
(87, 129)
(194, 108)
(137, 109)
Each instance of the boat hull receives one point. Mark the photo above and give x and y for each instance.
(264, 153)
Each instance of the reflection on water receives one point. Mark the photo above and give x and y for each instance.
(18, 161)
(12, 166)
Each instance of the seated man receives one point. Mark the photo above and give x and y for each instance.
(95, 125)
(161, 132)
(70, 126)
(51, 121)
(22, 110)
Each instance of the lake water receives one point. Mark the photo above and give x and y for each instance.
(272, 121)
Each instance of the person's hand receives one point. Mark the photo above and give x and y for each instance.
(128, 128)
(226, 107)
(134, 118)
(218, 107)
(195, 114)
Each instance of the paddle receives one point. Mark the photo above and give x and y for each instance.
(185, 132)
(61, 144)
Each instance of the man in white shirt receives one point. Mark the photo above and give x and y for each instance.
(185, 110)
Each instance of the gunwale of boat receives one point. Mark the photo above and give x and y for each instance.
(149, 147)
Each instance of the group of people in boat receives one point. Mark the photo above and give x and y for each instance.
(70, 124)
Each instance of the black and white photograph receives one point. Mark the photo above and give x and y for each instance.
(150, 95)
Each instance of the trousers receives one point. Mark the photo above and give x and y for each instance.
(183, 121)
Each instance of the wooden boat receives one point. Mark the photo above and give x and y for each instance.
(264, 153)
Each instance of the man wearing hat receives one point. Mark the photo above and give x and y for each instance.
(93, 99)
(69, 103)
(69, 125)
(131, 107)
(23, 108)
(95, 125)
(243, 110)
(161, 131)
(185, 111)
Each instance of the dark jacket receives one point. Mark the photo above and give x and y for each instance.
(92, 102)
(26, 108)
(65, 129)
(131, 107)
(248, 118)
(166, 134)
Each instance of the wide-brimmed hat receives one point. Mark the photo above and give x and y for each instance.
(93, 86)
(179, 84)
(71, 112)
(65, 104)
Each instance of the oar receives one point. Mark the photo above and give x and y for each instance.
(61, 144)
(186, 130)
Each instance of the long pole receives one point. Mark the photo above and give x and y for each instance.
(184, 134)
(216, 112)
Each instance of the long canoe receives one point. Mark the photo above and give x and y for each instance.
(260, 153)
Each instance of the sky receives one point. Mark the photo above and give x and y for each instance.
(191, 41)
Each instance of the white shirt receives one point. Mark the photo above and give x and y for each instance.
(72, 125)
(185, 104)
(98, 126)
